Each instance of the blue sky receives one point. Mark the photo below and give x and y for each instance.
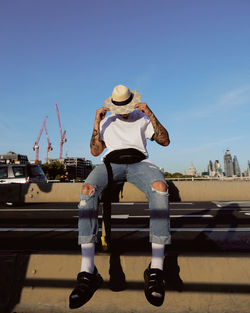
(190, 59)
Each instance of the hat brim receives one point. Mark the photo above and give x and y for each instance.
(124, 109)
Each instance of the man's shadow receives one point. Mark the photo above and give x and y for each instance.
(13, 267)
(117, 281)
(171, 269)
(14, 264)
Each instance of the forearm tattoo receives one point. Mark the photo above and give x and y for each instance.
(95, 137)
(95, 142)
(161, 134)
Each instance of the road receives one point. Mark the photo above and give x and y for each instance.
(202, 225)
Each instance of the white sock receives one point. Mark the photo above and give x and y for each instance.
(157, 260)
(157, 255)
(88, 253)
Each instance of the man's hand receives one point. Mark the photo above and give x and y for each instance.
(143, 107)
(100, 114)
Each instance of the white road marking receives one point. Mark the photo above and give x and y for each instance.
(210, 229)
(37, 210)
(221, 204)
(181, 203)
(118, 216)
(193, 215)
(215, 209)
(206, 229)
(126, 216)
(128, 203)
(21, 229)
(75, 210)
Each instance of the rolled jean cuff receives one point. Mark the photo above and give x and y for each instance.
(87, 239)
(164, 240)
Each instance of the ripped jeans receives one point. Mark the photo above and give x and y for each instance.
(142, 175)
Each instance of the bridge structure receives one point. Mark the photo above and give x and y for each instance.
(207, 267)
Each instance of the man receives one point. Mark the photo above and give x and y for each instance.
(124, 134)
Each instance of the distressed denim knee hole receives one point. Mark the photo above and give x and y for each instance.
(160, 187)
(160, 192)
(84, 200)
(87, 189)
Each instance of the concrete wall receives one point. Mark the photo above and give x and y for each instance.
(212, 284)
(179, 191)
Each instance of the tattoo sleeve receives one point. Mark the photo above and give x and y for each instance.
(96, 144)
(161, 135)
(95, 136)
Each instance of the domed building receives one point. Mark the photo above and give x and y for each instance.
(192, 170)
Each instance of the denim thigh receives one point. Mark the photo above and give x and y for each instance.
(143, 175)
(88, 205)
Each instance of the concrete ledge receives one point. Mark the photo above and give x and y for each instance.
(212, 283)
(179, 191)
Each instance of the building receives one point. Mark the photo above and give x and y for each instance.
(210, 168)
(77, 168)
(236, 167)
(228, 164)
(15, 158)
(214, 169)
(217, 168)
(192, 170)
(248, 169)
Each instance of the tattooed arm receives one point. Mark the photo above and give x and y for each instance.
(96, 144)
(161, 135)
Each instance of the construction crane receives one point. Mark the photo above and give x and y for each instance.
(36, 145)
(49, 147)
(63, 139)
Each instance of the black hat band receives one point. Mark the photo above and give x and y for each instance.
(125, 102)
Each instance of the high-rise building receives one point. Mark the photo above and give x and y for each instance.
(236, 167)
(248, 168)
(210, 168)
(228, 164)
(217, 168)
(214, 169)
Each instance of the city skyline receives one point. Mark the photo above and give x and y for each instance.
(215, 166)
(188, 59)
(230, 167)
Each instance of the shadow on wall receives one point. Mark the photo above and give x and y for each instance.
(174, 194)
(13, 267)
(117, 281)
(15, 193)
(227, 239)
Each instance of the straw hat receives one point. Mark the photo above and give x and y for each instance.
(122, 100)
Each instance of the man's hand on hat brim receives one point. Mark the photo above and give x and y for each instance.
(143, 107)
(100, 113)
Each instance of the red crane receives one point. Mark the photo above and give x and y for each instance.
(49, 147)
(63, 139)
(36, 145)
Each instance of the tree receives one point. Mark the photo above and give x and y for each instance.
(177, 175)
(167, 175)
(53, 170)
